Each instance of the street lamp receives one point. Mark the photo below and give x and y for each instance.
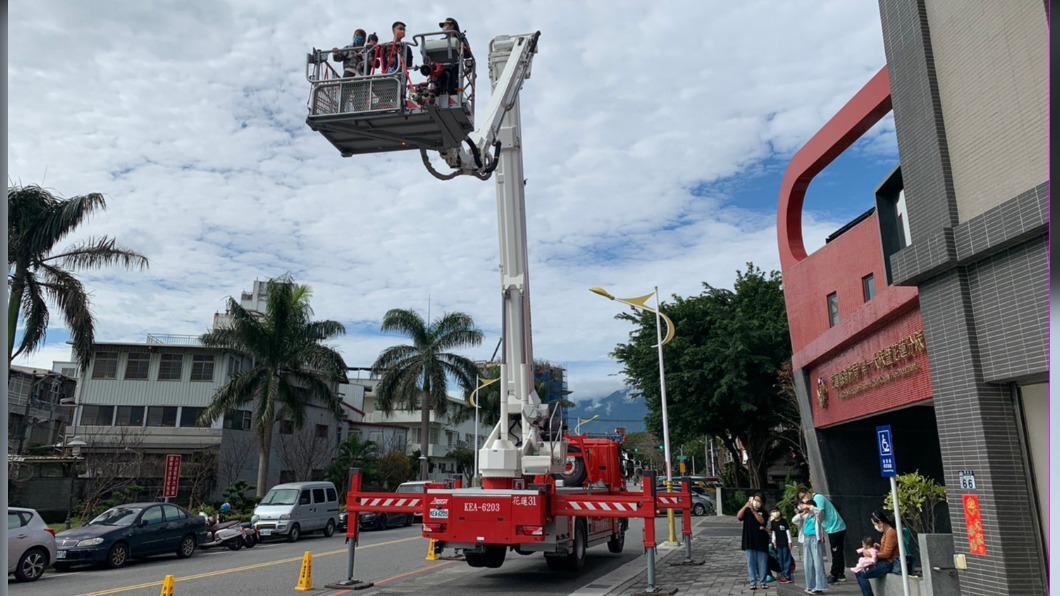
(473, 398)
(641, 302)
(581, 421)
(71, 449)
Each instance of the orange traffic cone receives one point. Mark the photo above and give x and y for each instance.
(167, 586)
(305, 577)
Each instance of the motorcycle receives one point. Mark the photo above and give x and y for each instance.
(233, 535)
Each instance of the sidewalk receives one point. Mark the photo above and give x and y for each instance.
(716, 540)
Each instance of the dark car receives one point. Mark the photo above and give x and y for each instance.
(370, 520)
(130, 531)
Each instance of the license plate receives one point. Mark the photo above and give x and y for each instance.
(439, 514)
(60, 554)
(265, 532)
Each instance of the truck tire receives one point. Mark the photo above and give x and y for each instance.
(617, 542)
(575, 472)
(475, 559)
(576, 558)
(495, 556)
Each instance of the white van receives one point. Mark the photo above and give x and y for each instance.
(295, 508)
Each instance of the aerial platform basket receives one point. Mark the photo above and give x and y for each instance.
(373, 113)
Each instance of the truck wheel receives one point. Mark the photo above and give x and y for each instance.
(575, 473)
(616, 543)
(576, 558)
(474, 559)
(495, 556)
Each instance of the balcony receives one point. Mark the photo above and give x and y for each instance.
(170, 339)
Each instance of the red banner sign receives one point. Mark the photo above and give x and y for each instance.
(171, 484)
(973, 517)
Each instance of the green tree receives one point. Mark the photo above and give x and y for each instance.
(465, 462)
(394, 468)
(354, 452)
(721, 369)
(417, 375)
(37, 273)
(236, 495)
(644, 446)
(291, 366)
(489, 398)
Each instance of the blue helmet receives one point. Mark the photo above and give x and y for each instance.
(225, 507)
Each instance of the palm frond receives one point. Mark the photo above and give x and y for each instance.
(35, 311)
(394, 357)
(98, 252)
(69, 295)
(407, 322)
(240, 390)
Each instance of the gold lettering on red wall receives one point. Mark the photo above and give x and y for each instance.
(891, 361)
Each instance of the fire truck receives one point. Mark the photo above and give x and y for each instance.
(542, 490)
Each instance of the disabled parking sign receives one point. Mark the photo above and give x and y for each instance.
(885, 446)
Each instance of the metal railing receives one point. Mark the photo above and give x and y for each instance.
(173, 339)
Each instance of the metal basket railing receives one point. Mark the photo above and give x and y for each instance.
(382, 93)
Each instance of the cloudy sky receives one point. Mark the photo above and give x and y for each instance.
(655, 138)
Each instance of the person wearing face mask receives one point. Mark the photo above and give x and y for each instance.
(886, 553)
(755, 541)
(352, 56)
(813, 557)
(450, 78)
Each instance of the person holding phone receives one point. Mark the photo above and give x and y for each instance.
(755, 541)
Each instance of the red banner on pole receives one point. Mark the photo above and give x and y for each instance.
(171, 484)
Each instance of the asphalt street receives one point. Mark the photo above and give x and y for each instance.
(394, 559)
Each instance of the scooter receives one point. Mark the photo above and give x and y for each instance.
(233, 535)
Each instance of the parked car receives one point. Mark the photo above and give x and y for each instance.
(415, 487)
(130, 531)
(702, 502)
(291, 509)
(30, 544)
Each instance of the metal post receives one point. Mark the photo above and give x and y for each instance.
(71, 467)
(651, 570)
(351, 535)
(665, 420)
(901, 539)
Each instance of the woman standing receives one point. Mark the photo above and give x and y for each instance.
(887, 552)
(813, 558)
(755, 541)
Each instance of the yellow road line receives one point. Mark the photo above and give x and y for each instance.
(245, 568)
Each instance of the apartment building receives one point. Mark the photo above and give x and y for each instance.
(38, 408)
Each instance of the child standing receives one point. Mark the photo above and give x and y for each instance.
(781, 538)
(868, 554)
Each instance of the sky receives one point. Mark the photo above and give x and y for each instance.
(655, 138)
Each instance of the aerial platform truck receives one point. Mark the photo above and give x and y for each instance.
(542, 490)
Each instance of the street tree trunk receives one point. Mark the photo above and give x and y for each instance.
(425, 430)
(263, 460)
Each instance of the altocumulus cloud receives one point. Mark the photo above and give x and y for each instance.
(189, 117)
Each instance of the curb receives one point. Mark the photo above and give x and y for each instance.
(620, 578)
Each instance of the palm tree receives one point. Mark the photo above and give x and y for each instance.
(37, 221)
(291, 367)
(418, 374)
(353, 452)
(489, 398)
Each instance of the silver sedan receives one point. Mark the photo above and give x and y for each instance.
(30, 544)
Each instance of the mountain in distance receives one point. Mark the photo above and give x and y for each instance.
(615, 410)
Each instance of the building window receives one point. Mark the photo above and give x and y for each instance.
(238, 420)
(129, 416)
(97, 415)
(190, 416)
(833, 309)
(322, 431)
(162, 416)
(202, 368)
(868, 287)
(136, 366)
(105, 366)
(69, 372)
(170, 367)
(286, 427)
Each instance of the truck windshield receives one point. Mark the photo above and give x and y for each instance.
(281, 496)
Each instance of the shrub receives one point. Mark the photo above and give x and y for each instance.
(918, 496)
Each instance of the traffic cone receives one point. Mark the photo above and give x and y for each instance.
(305, 577)
(167, 586)
(431, 554)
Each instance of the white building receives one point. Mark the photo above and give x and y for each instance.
(447, 434)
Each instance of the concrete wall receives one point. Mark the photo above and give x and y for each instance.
(990, 63)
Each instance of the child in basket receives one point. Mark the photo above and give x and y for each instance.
(868, 555)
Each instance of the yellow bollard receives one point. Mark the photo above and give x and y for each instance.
(431, 554)
(305, 577)
(167, 586)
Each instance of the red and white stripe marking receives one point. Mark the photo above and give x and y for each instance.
(669, 500)
(602, 506)
(389, 502)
